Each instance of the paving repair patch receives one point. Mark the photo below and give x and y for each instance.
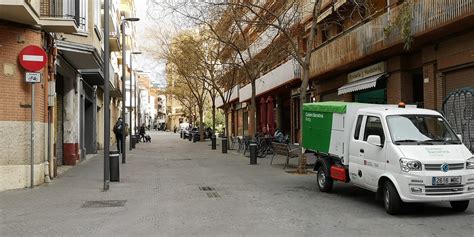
(104, 203)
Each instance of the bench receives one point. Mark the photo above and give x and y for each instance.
(288, 150)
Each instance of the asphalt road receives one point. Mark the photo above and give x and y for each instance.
(173, 187)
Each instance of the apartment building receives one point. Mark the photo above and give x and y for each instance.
(361, 55)
(24, 23)
(69, 100)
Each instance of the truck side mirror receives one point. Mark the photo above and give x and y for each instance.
(374, 140)
(459, 137)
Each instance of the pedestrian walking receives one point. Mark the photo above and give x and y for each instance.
(118, 133)
(142, 133)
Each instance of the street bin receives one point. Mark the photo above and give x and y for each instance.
(253, 153)
(224, 145)
(114, 166)
(133, 139)
(213, 141)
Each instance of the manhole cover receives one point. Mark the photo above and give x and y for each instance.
(206, 188)
(104, 203)
(213, 195)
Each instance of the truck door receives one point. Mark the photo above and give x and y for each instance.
(374, 156)
(356, 158)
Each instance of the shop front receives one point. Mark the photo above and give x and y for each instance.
(367, 85)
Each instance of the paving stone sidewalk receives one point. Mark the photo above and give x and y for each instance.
(173, 187)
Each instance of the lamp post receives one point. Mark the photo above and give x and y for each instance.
(124, 75)
(106, 97)
(132, 129)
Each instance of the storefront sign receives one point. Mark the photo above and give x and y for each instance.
(372, 70)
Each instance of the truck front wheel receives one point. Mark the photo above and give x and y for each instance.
(325, 181)
(459, 206)
(391, 199)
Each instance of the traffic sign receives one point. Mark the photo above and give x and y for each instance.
(33, 77)
(32, 58)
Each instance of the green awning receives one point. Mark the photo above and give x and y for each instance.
(328, 106)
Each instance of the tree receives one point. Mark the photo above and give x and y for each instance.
(184, 54)
(229, 25)
(289, 19)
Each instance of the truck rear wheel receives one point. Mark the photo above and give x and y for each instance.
(325, 181)
(391, 199)
(459, 206)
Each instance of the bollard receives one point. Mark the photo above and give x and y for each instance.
(114, 166)
(224, 145)
(194, 137)
(133, 141)
(190, 137)
(253, 153)
(213, 142)
(181, 134)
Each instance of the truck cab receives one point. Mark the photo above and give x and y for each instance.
(403, 154)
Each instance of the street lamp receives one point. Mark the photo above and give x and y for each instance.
(132, 129)
(124, 55)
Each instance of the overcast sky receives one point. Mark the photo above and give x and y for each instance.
(153, 18)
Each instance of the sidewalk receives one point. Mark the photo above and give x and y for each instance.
(173, 187)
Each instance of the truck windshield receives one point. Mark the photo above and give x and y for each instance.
(420, 130)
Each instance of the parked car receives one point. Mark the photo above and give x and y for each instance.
(190, 131)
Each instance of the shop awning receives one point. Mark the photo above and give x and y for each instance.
(362, 84)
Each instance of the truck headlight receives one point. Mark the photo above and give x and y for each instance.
(470, 163)
(409, 165)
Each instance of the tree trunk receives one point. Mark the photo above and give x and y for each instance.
(201, 124)
(304, 84)
(252, 112)
(226, 117)
(213, 114)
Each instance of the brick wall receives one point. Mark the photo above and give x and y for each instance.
(15, 93)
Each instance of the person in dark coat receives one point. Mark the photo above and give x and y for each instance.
(118, 133)
(142, 133)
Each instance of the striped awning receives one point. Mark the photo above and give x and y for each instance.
(366, 83)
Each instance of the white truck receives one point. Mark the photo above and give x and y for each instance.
(404, 154)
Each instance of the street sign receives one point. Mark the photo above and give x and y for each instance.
(33, 77)
(32, 58)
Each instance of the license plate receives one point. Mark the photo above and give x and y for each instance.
(446, 180)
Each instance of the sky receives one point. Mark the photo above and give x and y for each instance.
(154, 20)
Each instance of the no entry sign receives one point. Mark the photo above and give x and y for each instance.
(32, 58)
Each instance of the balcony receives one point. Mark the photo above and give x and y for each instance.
(431, 19)
(60, 15)
(51, 15)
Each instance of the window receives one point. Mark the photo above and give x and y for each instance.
(357, 129)
(373, 126)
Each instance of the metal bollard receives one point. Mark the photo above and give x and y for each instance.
(213, 142)
(224, 145)
(194, 137)
(181, 134)
(114, 166)
(253, 153)
(133, 141)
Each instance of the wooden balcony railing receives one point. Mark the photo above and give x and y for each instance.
(370, 37)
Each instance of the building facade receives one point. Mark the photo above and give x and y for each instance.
(370, 58)
(69, 99)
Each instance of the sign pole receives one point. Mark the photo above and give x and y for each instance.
(32, 133)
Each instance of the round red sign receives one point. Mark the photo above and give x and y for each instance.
(32, 58)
